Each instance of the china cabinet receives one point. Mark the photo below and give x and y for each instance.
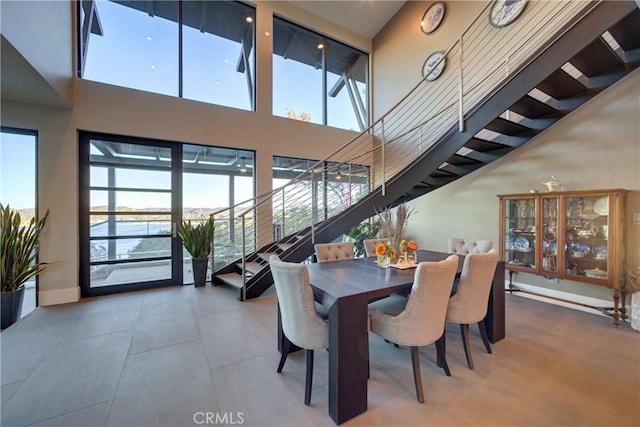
(573, 235)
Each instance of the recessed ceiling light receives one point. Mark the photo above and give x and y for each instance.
(218, 82)
(320, 46)
(153, 67)
(149, 38)
(249, 19)
(267, 33)
(226, 61)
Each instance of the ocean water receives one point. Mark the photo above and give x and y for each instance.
(123, 246)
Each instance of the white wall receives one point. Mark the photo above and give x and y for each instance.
(597, 146)
(104, 108)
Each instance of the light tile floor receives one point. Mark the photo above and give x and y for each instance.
(163, 357)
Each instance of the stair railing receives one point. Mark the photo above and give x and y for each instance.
(484, 57)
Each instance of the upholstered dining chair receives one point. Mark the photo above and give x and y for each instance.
(370, 245)
(301, 323)
(469, 304)
(329, 252)
(461, 247)
(422, 320)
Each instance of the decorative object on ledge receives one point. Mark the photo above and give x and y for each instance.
(432, 17)
(434, 66)
(554, 184)
(393, 228)
(505, 12)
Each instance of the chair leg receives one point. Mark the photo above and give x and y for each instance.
(485, 337)
(417, 378)
(309, 381)
(442, 355)
(286, 345)
(464, 332)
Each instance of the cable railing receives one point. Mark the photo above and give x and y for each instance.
(477, 65)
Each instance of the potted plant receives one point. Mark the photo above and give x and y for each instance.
(362, 232)
(19, 253)
(197, 240)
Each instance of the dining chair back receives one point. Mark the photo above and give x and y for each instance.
(423, 319)
(370, 245)
(462, 247)
(329, 252)
(470, 302)
(301, 323)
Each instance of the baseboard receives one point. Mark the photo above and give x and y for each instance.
(59, 296)
(596, 302)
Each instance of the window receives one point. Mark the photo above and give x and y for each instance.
(317, 79)
(137, 44)
(18, 174)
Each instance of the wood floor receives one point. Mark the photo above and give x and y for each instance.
(173, 357)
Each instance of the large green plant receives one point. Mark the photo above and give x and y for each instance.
(19, 249)
(197, 238)
(362, 232)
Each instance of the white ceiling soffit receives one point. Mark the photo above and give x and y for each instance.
(21, 82)
(364, 17)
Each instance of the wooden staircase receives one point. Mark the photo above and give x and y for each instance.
(586, 59)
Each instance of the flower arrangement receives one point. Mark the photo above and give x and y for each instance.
(393, 228)
(408, 246)
(385, 253)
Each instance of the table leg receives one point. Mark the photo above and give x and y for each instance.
(495, 318)
(348, 358)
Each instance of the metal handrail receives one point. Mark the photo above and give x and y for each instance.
(412, 126)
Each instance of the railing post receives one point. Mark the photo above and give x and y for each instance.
(349, 187)
(283, 231)
(213, 248)
(244, 258)
(382, 161)
(460, 88)
(314, 207)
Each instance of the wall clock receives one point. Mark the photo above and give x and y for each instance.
(432, 18)
(504, 12)
(433, 67)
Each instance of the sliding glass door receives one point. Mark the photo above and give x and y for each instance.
(130, 211)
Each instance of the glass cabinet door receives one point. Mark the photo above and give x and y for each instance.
(520, 229)
(587, 236)
(549, 235)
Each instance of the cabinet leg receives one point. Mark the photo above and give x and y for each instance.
(623, 305)
(615, 294)
(510, 282)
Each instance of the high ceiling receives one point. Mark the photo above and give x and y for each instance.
(364, 17)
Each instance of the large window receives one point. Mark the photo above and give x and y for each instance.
(18, 174)
(201, 50)
(317, 79)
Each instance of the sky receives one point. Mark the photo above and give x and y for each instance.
(17, 170)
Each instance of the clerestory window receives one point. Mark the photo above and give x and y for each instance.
(200, 50)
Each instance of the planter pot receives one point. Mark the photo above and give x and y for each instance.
(11, 307)
(200, 266)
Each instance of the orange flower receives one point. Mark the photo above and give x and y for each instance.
(381, 249)
(392, 253)
(412, 245)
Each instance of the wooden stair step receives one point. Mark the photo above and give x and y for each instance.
(265, 255)
(231, 279)
(252, 267)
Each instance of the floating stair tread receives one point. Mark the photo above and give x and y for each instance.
(265, 255)
(561, 85)
(531, 108)
(484, 146)
(285, 246)
(596, 59)
(231, 279)
(459, 160)
(627, 32)
(507, 127)
(251, 266)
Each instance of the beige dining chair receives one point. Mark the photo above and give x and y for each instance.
(301, 324)
(469, 304)
(370, 245)
(329, 252)
(422, 320)
(462, 247)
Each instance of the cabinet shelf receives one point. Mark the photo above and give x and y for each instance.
(573, 219)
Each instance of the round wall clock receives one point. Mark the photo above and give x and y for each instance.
(433, 67)
(432, 18)
(504, 12)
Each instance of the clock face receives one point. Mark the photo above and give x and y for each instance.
(432, 18)
(504, 12)
(433, 66)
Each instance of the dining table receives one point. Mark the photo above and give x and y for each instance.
(345, 288)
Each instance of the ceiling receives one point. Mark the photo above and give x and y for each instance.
(349, 14)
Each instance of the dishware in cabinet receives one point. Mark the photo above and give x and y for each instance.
(518, 236)
(573, 235)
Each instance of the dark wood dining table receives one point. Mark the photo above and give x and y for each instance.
(345, 288)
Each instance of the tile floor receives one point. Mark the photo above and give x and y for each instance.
(172, 357)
